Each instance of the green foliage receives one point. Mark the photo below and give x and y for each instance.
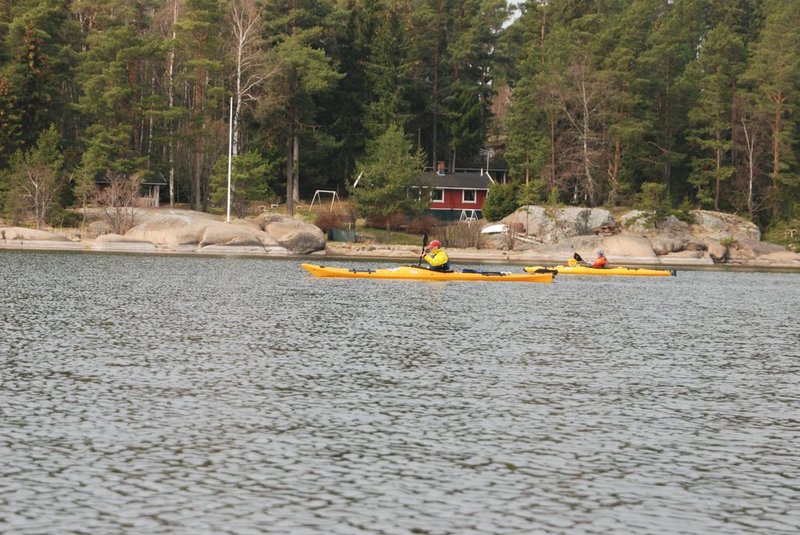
(500, 201)
(390, 178)
(62, 218)
(786, 233)
(532, 193)
(10, 121)
(606, 94)
(37, 73)
(683, 212)
(719, 67)
(250, 182)
(553, 198)
(654, 201)
(773, 71)
(35, 179)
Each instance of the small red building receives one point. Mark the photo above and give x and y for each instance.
(457, 196)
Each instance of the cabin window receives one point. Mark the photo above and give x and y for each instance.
(469, 195)
(437, 195)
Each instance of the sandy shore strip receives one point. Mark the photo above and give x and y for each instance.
(401, 254)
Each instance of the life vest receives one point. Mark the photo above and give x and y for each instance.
(438, 260)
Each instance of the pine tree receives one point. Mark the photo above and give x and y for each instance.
(390, 178)
(721, 62)
(199, 55)
(295, 31)
(774, 70)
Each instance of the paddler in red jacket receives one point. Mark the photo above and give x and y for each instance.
(437, 257)
(601, 261)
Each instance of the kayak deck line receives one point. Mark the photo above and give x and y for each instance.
(422, 273)
(612, 271)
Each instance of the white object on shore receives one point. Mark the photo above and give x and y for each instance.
(497, 228)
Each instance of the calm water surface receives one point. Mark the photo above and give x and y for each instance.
(166, 394)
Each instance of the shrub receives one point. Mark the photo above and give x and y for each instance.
(327, 221)
(500, 201)
(423, 225)
(786, 233)
(683, 211)
(66, 218)
(654, 200)
(390, 222)
(462, 234)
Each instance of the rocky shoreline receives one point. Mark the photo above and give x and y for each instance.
(169, 231)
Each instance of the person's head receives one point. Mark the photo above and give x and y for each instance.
(600, 253)
(435, 244)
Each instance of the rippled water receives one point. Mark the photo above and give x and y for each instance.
(166, 394)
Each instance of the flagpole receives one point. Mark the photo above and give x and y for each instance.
(230, 152)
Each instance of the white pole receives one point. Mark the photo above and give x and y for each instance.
(230, 152)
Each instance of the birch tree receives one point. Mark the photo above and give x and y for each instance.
(252, 64)
(37, 178)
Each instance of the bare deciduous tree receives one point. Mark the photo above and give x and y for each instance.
(36, 177)
(584, 105)
(253, 63)
(751, 187)
(40, 188)
(118, 199)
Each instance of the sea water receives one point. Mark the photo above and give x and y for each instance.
(185, 394)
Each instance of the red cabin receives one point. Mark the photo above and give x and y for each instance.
(457, 196)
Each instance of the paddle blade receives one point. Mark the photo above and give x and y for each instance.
(424, 243)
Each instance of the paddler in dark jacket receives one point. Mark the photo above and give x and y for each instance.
(437, 257)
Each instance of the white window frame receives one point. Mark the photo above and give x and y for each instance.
(474, 196)
(437, 195)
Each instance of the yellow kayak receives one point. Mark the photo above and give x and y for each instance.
(420, 273)
(619, 271)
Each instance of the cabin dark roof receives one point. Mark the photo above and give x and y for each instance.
(468, 180)
(150, 179)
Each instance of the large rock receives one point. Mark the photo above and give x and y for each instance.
(629, 245)
(745, 249)
(720, 226)
(553, 225)
(28, 234)
(626, 245)
(717, 251)
(172, 228)
(780, 258)
(637, 222)
(672, 242)
(296, 235)
(187, 230)
(115, 242)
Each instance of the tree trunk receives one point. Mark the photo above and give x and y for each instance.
(718, 182)
(552, 150)
(197, 174)
(296, 169)
(289, 177)
(776, 156)
(171, 98)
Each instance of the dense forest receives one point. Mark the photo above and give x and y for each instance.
(584, 102)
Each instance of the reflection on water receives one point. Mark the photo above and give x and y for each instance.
(149, 394)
